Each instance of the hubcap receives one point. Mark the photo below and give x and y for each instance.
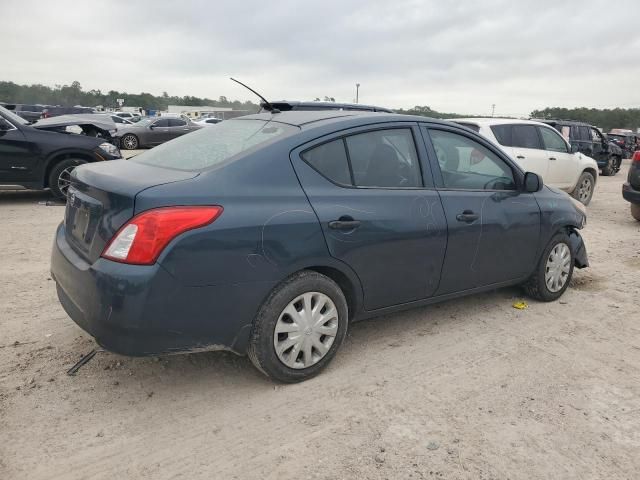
(558, 267)
(64, 180)
(305, 330)
(130, 142)
(584, 192)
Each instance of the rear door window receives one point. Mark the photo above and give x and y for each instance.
(552, 140)
(503, 134)
(176, 122)
(330, 161)
(163, 122)
(525, 136)
(384, 158)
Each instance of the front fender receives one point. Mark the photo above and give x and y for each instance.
(581, 259)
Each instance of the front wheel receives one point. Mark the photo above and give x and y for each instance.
(584, 188)
(554, 271)
(299, 328)
(612, 166)
(60, 177)
(129, 142)
(635, 211)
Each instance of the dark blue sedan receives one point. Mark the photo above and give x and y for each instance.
(268, 234)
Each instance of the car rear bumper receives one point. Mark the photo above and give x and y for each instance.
(143, 310)
(630, 194)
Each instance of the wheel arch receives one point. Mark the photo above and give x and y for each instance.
(351, 291)
(59, 157)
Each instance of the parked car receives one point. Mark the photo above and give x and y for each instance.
(38, 158)
(626, 141)
(153, 131)
(207, 122)
(132, 117)
(270, 233)
(287, 105)
(29, 112)
(591, 142)
(55, 111)
(631, 188)
(539, 148)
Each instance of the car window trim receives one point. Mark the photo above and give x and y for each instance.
(517, 172)
(13, 127)
(357, 131)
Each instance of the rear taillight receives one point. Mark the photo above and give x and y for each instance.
(141, 240)
(636, 157)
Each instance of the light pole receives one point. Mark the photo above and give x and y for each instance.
(357, 91)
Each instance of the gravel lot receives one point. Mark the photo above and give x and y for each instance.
(468, 389)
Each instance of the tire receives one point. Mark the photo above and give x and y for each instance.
(635, 211)
(289, 366)
(129, 142)
(59, 177)
(612, 166)
(538, 286)
(584, 188)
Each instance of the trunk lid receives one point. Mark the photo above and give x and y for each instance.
(102, 198)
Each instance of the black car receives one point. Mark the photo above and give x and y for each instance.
(631, 188)
(29, 112)
(38, 158)
(592, 142)
(286, 106)
(626, 141)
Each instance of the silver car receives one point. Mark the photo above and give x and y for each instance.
(149, 132)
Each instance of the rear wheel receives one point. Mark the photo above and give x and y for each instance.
(299, 328)
(612, 166)
(60, 176)
(554, 271)
(129, 142)
(584, 188)
(635, 211)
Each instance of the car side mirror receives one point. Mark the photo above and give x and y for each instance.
(532, 182)
(575, 148)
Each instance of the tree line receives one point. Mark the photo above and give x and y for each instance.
(71, 95)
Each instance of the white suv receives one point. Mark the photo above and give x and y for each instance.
(539, 148)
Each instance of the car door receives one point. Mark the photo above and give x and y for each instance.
(493, 227)
(159, 131)
(18, 155)
(600, 149)
(178, 127)
(563, 168)
(379, 212)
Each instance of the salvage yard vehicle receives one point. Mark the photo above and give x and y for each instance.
(592, 142)
(39, 156)
(268, 234)
(631, 188)
(149, 132)
(625, 140)
(539, 148)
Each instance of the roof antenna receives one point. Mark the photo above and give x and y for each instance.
(265, 103)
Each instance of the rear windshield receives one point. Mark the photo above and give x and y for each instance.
(211, 146)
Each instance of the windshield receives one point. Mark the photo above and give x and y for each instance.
(12, 117)
(209, 147)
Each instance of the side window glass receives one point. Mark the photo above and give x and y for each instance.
(4, 125)
(525, 136)
(596, 136)
(503, 134)
(161, 123)
(552, 141)
(465, 164)
(176, 122)
(584, 134)
(566, 132)
(330, 161)
(384, 158)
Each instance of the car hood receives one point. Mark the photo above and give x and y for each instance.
(101, 122)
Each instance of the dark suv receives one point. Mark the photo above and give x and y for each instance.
(591, 142)
(35, 158)
(285, 106)
(631, 188)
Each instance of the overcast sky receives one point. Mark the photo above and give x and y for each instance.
(453, 56)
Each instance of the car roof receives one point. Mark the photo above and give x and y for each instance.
(285, 105)
(488, 121)
(302, 118)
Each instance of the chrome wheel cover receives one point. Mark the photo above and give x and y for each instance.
(558, 267)
(129, 142)
(64, 180)
(305, 330)
(584, 190)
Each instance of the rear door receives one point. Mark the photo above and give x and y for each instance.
(563, 169)
(493, 227)
(378, 209)
(177, 127)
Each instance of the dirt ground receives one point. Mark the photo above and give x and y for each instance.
(468, 389)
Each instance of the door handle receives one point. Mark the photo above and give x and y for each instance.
(467, 216)
(344, 223)
(552, 158)
(521, 157)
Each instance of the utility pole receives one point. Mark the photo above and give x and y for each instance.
(493, 109)
(357, 91)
